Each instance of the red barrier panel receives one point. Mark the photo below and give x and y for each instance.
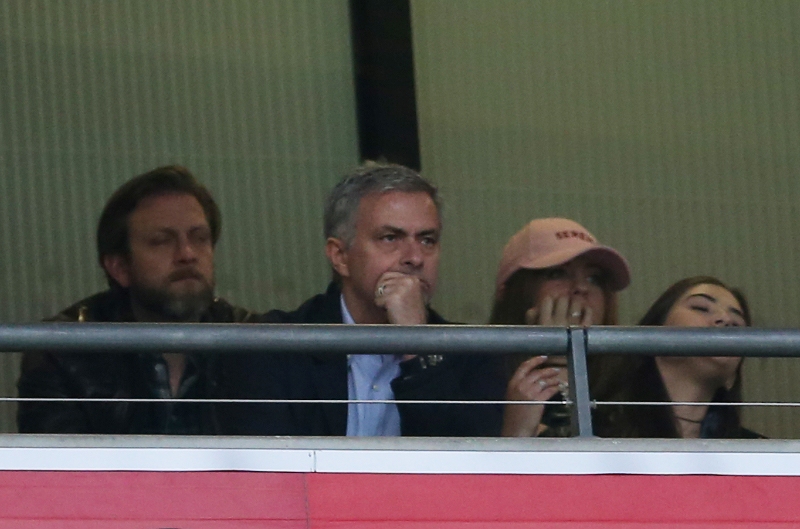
(197, 500)
(508, 501)
(228, 500)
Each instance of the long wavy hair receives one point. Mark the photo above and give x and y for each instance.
(638, 379)
(521, 292)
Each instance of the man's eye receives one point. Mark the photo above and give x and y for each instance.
(389, 237)
(201, 238)
(430, 241)
(160, 241)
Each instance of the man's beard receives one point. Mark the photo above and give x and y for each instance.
(169, 306)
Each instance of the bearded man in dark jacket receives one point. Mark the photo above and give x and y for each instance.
(155, 242)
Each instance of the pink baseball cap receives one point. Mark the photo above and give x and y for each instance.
(543, 243)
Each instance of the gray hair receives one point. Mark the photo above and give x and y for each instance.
(343, 202)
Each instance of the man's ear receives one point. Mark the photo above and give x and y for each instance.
(336, 250)
(118, 268)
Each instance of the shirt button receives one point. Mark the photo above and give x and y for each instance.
(375, 387)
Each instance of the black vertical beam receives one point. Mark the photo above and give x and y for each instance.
(384, 77)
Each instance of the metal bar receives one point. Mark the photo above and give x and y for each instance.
(272, 338)
(278, 401)
(581, 415)
(683, 341)
(767, 404)
(594, 403)
(363, 339)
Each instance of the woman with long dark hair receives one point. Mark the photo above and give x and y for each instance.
(700, 301)
(553, 272)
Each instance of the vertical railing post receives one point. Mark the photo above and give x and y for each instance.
(579, 383)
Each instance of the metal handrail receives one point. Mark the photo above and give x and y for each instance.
(690, 341)
(283, 338)
(422, 339)
(574, 342)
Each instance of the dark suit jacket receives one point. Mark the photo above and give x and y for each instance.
(306, 377)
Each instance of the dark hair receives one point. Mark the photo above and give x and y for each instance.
(112, 229)
(638, 379)
(519, 295)
(344, 199)
(657, 313)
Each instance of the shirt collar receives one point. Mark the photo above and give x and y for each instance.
(346, 316)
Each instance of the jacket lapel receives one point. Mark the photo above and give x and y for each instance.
(330, 372)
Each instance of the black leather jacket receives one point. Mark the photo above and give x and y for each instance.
(119, 376)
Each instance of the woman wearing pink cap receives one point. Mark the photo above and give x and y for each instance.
(553, 272)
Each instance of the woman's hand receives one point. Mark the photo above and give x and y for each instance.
(559, 312)
(530, 381)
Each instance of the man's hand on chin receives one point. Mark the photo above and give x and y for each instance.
(403, 296)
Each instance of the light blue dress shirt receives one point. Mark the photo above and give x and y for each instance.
(369, 377)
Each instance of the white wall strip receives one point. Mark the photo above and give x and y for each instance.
(401, 461)
(156, 459)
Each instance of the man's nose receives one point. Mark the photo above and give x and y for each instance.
(412, 255)
(185, 250)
